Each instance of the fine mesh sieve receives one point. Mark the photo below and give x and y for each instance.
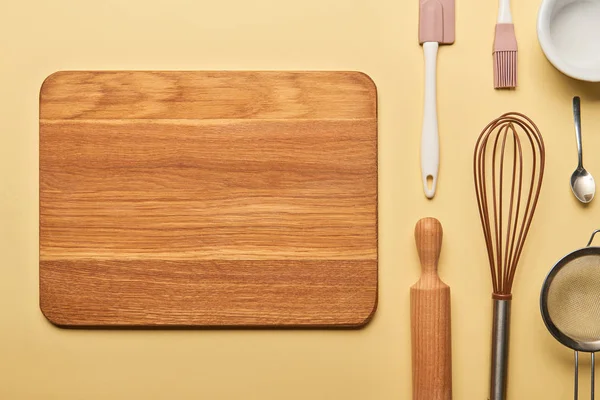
(570, 303)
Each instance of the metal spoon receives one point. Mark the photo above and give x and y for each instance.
(582, 182)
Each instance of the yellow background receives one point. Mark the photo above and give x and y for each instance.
(39, 361)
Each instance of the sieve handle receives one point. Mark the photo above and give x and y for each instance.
(576, 386)
(593, 377)
(500, 332)
(592, 237)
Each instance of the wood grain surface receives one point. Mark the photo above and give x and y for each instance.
(208, 199)
(430, 319)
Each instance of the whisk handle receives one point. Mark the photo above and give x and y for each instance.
(500, 332)
(428, 237)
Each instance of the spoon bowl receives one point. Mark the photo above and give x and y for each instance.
(583, 185)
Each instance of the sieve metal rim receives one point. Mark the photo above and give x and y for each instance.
(588, 347)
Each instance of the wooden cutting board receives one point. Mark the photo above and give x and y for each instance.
(208, 199)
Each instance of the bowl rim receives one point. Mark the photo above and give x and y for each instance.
(550, 51)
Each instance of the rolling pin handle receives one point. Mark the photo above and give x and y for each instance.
(428, 236)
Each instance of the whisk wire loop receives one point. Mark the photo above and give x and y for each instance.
(506, 209)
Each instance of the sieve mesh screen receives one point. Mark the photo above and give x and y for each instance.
(574, 299)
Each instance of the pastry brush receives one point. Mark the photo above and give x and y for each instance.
(505, 49)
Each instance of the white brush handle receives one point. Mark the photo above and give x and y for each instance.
(504, 15)
(430, 146)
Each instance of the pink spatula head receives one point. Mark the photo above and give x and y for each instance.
(436, 21)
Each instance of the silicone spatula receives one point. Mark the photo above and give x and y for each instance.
(436, 26)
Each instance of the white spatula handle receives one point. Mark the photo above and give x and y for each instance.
(430, 146)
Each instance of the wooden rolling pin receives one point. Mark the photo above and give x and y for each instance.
(430, 319)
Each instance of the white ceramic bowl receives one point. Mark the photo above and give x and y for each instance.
(569, 33)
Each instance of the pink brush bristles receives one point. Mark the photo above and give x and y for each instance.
(505, 57)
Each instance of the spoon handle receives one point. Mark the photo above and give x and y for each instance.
(577, 116)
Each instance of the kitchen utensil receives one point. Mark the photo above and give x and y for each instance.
(569, 304)
(436, 26)
(505, 49)
(582, 182)
(208, 199)
(568, 32)
(508, 167)
(430, 319)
